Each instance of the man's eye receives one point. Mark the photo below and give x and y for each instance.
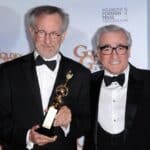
(106, 49)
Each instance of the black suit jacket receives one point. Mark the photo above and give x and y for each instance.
(21, 106)
(137, 115)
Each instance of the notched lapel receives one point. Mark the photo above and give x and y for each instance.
(95, 92)
(134, 94)
(30, 73)
(63, 69)
(95, 89)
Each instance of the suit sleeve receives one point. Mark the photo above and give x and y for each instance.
(9, 132)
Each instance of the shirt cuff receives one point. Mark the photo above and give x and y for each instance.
(66, 130)
(29, 144)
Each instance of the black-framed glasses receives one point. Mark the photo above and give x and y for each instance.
(108, 50)
(43, 34)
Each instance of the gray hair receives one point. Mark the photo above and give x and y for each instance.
(113, 28)
(48, 10)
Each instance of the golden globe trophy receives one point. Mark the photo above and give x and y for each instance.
(61, 91)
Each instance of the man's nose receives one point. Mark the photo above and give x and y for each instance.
(48, 38)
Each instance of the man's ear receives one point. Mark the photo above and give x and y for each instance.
(63, 35)
(98, 55)
(129, 52)
(30, 30)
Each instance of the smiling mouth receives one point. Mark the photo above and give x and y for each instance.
(115, 62)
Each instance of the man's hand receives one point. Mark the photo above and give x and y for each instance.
(63, 117)
(40, 139)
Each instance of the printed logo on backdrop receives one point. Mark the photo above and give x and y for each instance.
(5, 56)
(86, 57)
(115, 14)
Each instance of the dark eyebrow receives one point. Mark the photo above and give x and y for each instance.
(104, 46)
(124, 46)
(107, 45)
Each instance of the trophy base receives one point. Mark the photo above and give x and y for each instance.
(47, 132)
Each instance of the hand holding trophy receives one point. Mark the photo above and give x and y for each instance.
(61, 91)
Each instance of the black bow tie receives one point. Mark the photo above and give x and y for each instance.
(120, 79)
(40, 61)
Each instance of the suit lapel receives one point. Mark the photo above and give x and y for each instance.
(31, 76)
(135, 85)
(96, 84)
(95, 92)
(63, 69)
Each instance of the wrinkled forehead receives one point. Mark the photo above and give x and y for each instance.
(113, 38)
(48, 23)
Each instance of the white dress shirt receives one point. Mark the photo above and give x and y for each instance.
(46, 79)
(112, 105)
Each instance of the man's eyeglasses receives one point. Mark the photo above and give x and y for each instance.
(43, 34)
(108, 50)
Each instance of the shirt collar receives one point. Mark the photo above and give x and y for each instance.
(57, 57)
(126, 72)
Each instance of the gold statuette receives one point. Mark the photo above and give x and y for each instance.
(61, 91)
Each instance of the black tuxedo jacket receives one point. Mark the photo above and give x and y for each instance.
(21, 106)
(137, 115)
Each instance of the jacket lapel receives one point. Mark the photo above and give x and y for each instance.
(135, 85)
(95, 92)
(63, 69)
(96, 84)
(31, 76)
